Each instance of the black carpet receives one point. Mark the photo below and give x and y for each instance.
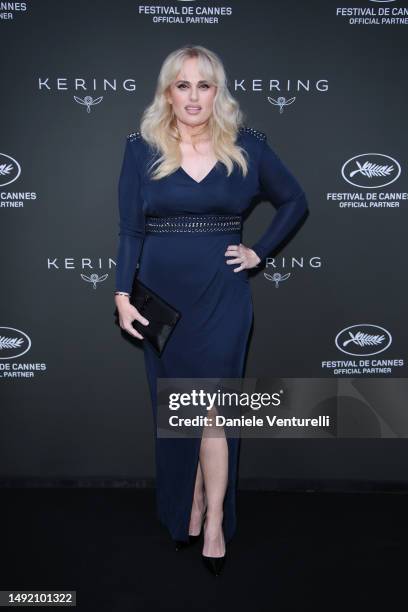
(292, 551)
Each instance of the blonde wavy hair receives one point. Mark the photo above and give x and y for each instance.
(158, 124)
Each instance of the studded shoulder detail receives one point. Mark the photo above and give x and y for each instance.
(134, 136)
(256, 133)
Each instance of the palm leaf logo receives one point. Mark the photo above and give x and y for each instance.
(372, 169)
(10, 343)
(5, 169)
(369, 169)
(364, 339)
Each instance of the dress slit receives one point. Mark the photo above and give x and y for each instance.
(178, 230)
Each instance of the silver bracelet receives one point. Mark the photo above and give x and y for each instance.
(122, 293)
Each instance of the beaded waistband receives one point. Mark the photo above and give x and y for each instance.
(194, 223)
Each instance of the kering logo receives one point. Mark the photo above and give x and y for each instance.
(10, 169)
(86, 85)
(281, 102)
(371, 170)
(94, 279)
(360, 339)
(88, 101)
(294, 262)
(13, 343)
(288, 263)
(63, 84)
(288, 85)
(90, 270)
(277, 278)
(281, 86)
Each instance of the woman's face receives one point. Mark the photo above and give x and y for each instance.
(191, 96)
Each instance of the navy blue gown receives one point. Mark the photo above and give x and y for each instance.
(189, 270)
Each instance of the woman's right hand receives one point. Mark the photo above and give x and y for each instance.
(128, 313)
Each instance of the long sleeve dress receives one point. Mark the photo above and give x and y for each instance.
(188, 269)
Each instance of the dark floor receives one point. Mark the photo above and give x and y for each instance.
(292, 551)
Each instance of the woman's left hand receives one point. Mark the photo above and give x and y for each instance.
(242, 255)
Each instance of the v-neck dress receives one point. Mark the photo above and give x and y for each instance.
(189, 270)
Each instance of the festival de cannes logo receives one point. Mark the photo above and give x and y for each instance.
(13, 343)
(378, 13)
(371, 170)
(10, 169)
(363, 339)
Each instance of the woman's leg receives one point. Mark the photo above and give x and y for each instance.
(214, 466)
(199, 503)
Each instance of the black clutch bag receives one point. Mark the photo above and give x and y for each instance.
(161, 315)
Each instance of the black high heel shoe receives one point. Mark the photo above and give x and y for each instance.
(192, 539)
(180, 544)
(214, 564)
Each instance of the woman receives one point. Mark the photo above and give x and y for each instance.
(193, 160)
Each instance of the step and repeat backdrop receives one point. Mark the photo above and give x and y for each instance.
(325, 80)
